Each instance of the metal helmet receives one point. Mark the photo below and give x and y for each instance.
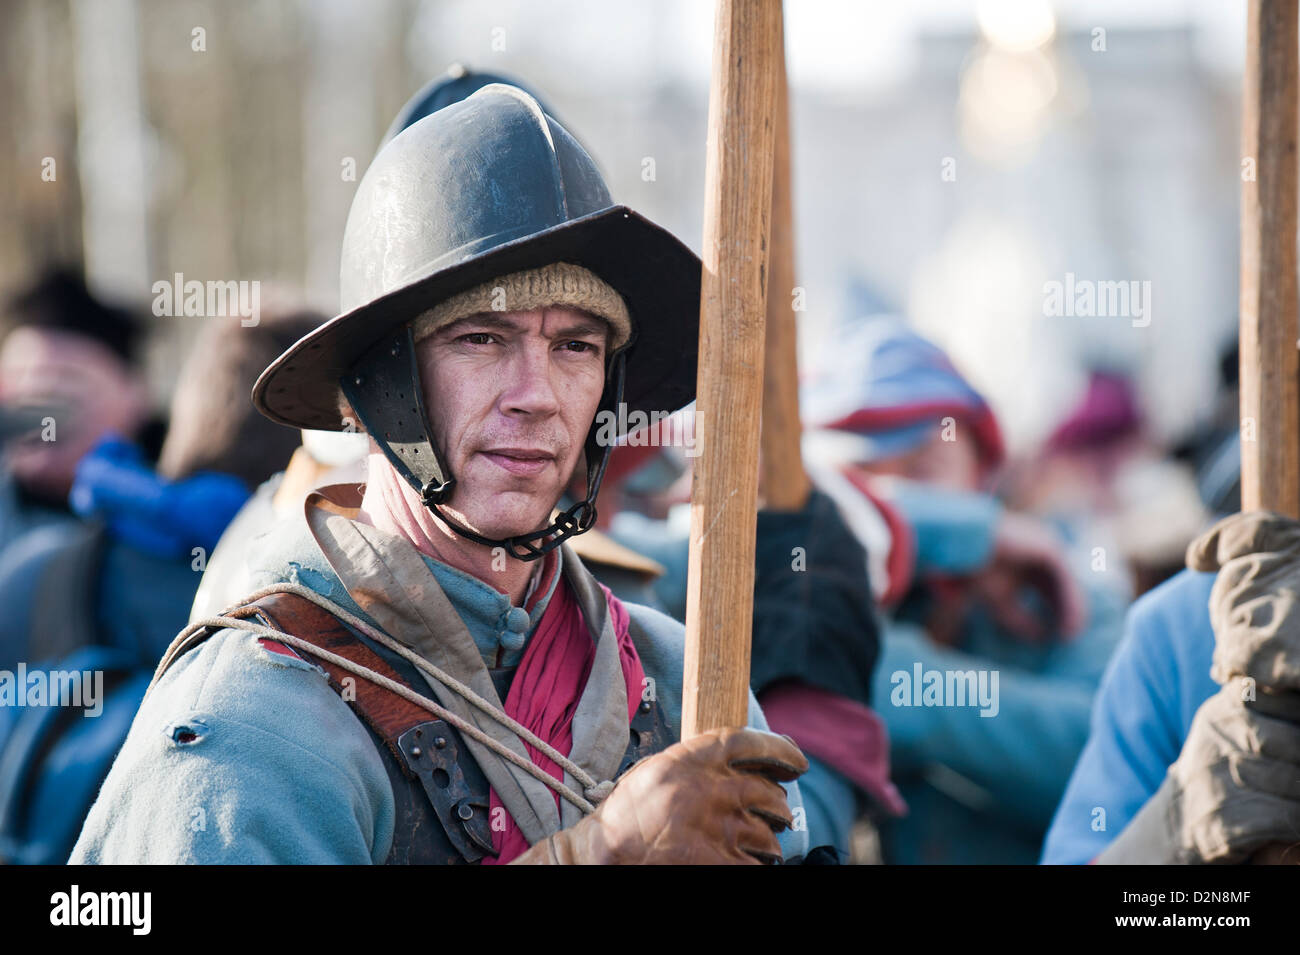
(477, 190)
(456, 84)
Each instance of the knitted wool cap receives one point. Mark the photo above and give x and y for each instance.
(560, 283)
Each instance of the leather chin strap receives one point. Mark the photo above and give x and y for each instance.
(384, 390)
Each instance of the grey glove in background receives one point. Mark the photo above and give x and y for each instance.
(1255, 601)
(1234, 789)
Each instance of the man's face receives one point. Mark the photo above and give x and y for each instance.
(92, 388)
(511, 397)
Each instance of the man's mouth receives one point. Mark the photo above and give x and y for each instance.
(521, 462)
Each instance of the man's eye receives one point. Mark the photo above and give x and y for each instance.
(579, 346)
(477, 338)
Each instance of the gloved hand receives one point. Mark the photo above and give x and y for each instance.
(710, 800)
(1234, 789)
(1254, 605)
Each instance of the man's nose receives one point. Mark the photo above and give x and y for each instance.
(531, 388)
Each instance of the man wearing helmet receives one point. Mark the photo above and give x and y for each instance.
(429, 674)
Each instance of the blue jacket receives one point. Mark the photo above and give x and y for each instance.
(241, 755)
(1158, 679)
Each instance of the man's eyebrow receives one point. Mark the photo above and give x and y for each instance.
(482, 320)
(583, 326)
(587, 325)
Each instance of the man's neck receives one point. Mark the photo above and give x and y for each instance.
(391, 505)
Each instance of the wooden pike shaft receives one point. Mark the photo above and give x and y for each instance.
(738, 194)
(783, 482)
(1270, 415)
(1270, 418)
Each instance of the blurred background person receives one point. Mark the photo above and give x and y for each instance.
(69, 375)
(109, 592)
(906, 446)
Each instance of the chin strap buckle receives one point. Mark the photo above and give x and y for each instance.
(433, 494)
(571, 522)
(575, 520)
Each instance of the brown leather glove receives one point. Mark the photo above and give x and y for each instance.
(711, 800)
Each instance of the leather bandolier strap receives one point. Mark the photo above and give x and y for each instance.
(441, 795)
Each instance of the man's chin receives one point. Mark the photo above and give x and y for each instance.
(503, 517)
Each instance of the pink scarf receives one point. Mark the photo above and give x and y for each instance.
(547, 687)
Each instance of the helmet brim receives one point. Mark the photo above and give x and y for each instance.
(656, 274)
